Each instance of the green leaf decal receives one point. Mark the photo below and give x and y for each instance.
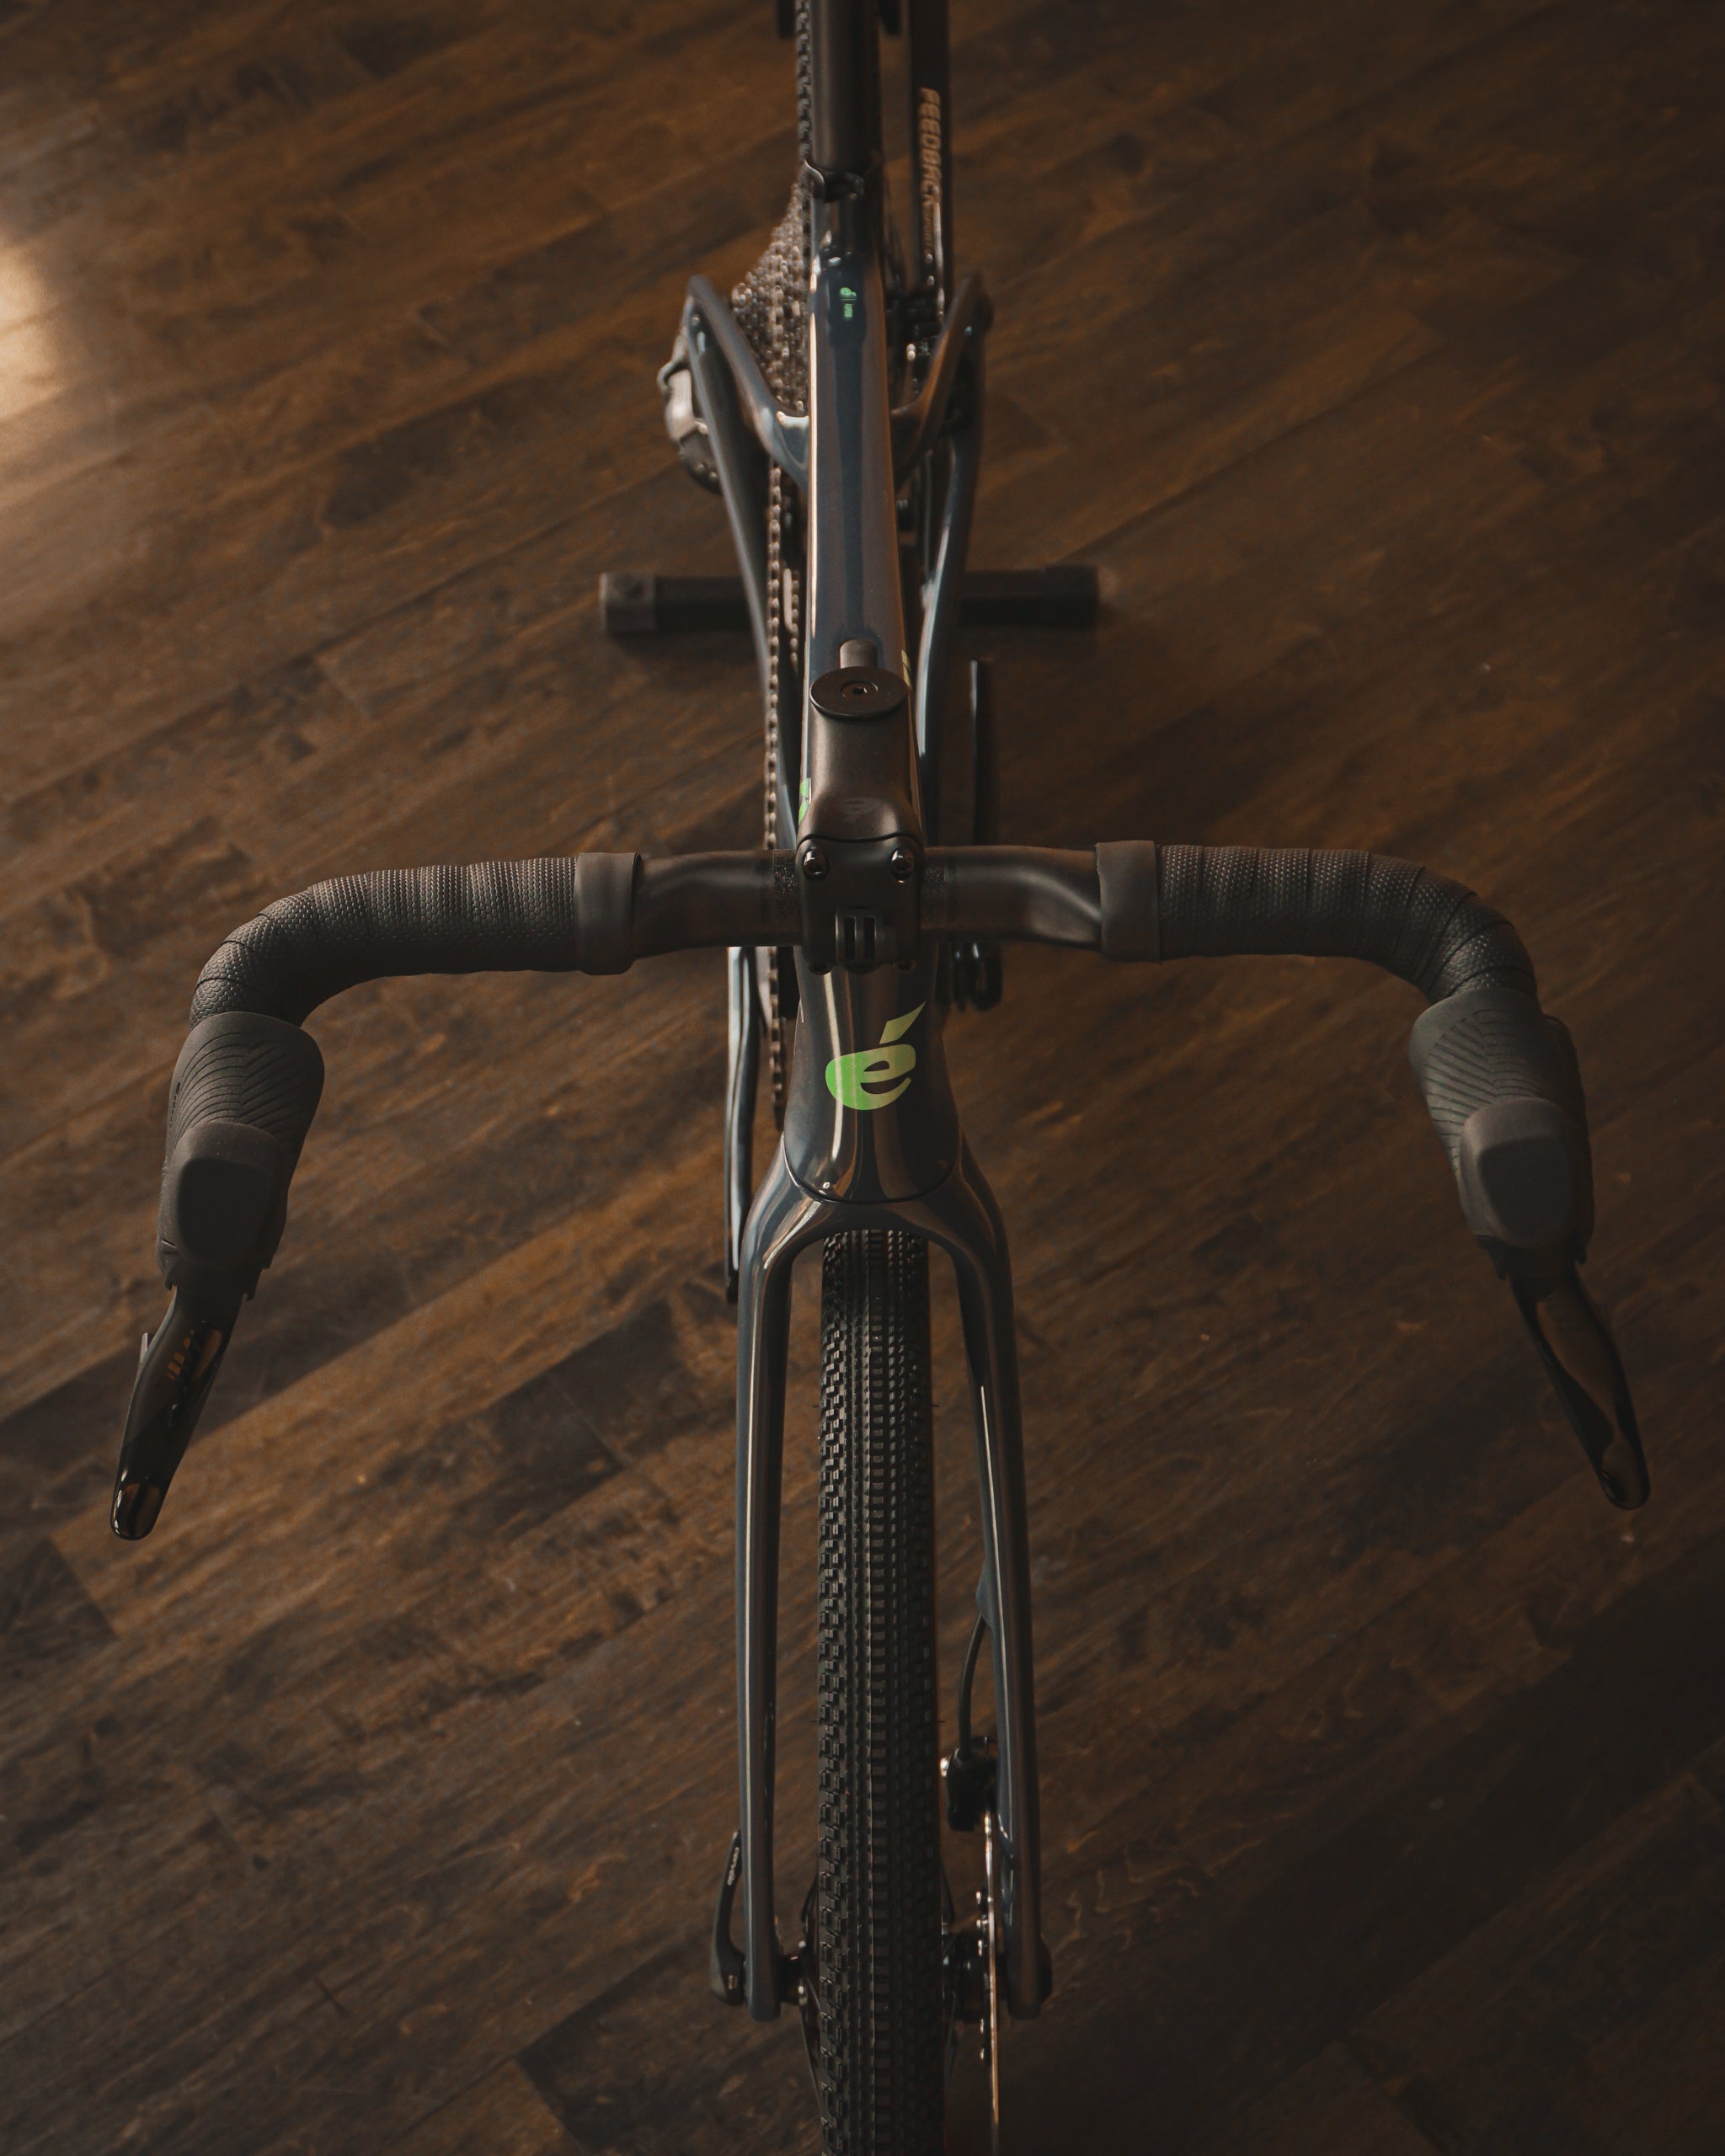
(864, 1079)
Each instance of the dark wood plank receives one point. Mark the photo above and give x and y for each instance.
(1616, 1953)
(1331, 2107)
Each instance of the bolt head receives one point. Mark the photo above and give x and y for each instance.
(903, 863)
(814, 863)
(858, 692)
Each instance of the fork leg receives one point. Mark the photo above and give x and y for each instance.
(962, 1217)
(784, 1221)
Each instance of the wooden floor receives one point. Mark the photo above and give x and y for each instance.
(1375, 349)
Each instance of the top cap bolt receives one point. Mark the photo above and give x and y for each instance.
(855, 692)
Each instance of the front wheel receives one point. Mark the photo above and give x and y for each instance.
(876, 1934)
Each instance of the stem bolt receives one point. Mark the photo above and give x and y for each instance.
(814, 863)
(903, 863)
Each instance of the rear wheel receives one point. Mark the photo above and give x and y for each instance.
(876, 1940)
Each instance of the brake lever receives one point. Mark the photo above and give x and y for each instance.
(177, 1366)
(1574, 1341)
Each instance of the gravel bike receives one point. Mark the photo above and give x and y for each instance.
(836, 404)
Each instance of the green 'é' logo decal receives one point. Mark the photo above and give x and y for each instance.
(865, 1079)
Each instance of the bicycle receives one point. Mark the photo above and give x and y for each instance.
(836, 406)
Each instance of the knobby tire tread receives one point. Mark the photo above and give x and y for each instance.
(880, 2063)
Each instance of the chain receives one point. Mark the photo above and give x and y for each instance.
(770, 308)
(775, 638)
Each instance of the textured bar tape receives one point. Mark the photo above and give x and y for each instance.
(1499, 1077)
(570, 913)
(1228, 901)
(1233, 899)
(247, 1081)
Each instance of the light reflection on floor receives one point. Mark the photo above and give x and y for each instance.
(29, 347)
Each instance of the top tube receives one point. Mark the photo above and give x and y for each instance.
(854, 591)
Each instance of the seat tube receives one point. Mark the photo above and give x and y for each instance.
(841, 135)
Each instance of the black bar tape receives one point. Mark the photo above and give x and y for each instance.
(1498, 1077)
(1126, 872)
(573, 913)
(244, 1091)
(1504, 1089)
(1229, 900)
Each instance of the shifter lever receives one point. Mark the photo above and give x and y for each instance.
(176, 1368)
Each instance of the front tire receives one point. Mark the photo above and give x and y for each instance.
(877, 1929)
